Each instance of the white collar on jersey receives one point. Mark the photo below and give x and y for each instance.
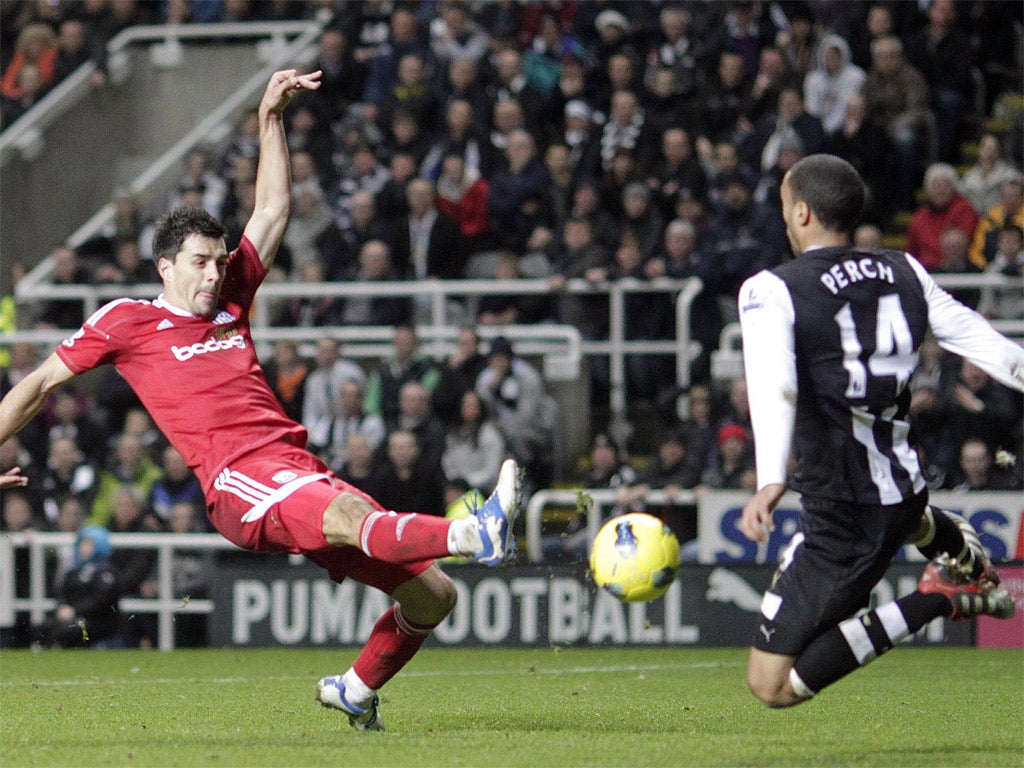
(223, 317)
(163, 304)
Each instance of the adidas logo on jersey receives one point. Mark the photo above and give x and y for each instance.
(211, 345)
(164, 324)
(223, 318)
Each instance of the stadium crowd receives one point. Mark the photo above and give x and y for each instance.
(556, 140)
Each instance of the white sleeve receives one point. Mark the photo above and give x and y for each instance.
(962, 331)
(769, 360)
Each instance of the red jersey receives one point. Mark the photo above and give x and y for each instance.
(198, 377)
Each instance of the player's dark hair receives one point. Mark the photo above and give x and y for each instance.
(179, 224)
(832, 189)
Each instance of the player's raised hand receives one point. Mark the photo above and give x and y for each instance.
(12, 478)
(284, 85)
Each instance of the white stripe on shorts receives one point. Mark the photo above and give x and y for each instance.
(244, 481)
(235, 483)
(226, 482)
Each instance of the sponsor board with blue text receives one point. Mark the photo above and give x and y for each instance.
(995, 514)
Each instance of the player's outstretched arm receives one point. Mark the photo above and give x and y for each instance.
(24, 401)
(273, 175)
(962, 331)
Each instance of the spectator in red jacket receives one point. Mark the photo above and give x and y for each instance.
(36, 45)
(462, 196)
(945, 208)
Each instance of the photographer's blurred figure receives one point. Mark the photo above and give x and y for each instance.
(86, 615)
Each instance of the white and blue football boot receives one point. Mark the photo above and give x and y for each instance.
(496, 517)
(330, 692)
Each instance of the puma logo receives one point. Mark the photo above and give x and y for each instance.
(724, 586)
(766, 632)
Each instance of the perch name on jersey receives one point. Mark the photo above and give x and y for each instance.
(850, 271)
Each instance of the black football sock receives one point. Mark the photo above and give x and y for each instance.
(944, 531)
(858, 641)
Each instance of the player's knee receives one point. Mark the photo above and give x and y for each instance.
(343, 519)
(428, 599)
(769, 690)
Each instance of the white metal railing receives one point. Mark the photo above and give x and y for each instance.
(601, 501)
(165, 605)
(25, 133)
(617, 348)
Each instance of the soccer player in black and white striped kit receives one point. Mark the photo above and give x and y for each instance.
(830, 340)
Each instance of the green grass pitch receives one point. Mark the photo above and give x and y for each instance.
(543, 707)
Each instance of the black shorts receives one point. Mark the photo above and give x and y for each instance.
(829, 569)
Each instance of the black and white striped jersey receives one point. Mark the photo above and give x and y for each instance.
(830, 340)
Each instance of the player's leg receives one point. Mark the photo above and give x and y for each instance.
(289, 502)
(422, 602)
(843, 642)
(944, 591)
(859, 640)
(351, 519)
(805, 638)
(942, 531)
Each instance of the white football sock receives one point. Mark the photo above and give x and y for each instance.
(356, 691)
(464, 537)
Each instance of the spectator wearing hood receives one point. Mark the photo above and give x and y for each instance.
(86, 614)
(513, 391)
(582, 138)
(614, 34)
(832, 82)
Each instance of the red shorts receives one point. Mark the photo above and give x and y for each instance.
(274, 502)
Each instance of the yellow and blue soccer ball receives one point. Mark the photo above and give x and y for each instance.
(635, 557)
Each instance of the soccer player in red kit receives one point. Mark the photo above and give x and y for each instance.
(190, 358)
